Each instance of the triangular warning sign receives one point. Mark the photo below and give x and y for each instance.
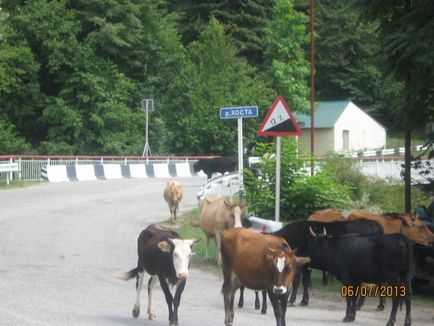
(279, 121)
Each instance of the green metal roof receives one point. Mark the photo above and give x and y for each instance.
(326, 114)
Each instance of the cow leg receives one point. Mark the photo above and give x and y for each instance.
(360, 302)
(305, 282)
(175, 208)
(228, 297)
(168, 296)
(264, 302)
(176, 301)
(151, 285)
(295, 284)
(350, 314)
(324, 278)
(139, 285)
(241, 299)
(392, 318)
(218, 243)
(407, 308)
(257, 302)
(381, 302)
(277, 308)
(206, 248)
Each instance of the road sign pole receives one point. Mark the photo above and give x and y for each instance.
(240, 156)
(277, 205)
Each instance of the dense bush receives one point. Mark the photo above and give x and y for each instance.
(300, 194)
(339, 184)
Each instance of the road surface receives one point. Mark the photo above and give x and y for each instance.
(61, 244)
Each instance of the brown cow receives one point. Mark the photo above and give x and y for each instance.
(173, 194)
(411, 227)
(259, 262)
(218, 215)
(326, 215)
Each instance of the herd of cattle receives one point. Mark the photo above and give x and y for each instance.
(357, 248)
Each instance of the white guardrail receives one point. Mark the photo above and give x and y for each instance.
(225, 185)
(30, 167)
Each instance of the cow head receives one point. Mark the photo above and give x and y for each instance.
(176, 190)
(236, 211)
(181, 251)
(284, 266)
(317, 246)
(418, 232)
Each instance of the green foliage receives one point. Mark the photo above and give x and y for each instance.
(217, 78)
(10, 142)
(301, 194)
(285, 36)
(345, 172)
(389, 196)
(244, 22)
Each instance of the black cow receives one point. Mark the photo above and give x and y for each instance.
(218, 164)
(354, 260)
(163, 254)
(297, 235)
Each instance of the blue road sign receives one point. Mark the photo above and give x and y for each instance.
(239, 112)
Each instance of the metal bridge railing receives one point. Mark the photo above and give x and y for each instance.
(30, 166)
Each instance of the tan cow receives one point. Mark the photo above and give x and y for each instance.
(411, 227)
(259, 262)
(326, 215)
(173, 194)
(218, 215)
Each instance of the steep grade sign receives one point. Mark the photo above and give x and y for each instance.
(279, 121)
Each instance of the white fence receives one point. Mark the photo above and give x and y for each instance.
(30, 166)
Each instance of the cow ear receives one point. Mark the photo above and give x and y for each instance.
(164, 246)
(302, 260)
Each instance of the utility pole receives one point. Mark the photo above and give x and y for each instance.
(312, 86)
(147, 105)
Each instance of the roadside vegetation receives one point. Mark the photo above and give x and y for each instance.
(338, 183)
(16, 184)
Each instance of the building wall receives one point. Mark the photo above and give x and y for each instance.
(323, 140)
(364, 132)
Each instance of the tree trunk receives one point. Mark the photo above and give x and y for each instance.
(407, 171)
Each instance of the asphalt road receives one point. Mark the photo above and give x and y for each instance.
(61, 244)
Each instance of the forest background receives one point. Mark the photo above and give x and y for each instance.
(73, 73)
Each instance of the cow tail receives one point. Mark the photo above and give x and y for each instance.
(128, 275)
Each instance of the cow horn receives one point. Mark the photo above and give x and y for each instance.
(324, 231)
(311, 232)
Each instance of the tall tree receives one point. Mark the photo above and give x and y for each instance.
(405, 29)
(288, 68)
(217, 78)
(244, 22)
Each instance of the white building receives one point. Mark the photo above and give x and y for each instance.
(340, 126)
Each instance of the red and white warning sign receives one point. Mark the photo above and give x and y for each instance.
(279, 121)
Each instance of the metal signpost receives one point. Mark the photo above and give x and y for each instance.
(278, 122)
(148, 106)
(239, 113)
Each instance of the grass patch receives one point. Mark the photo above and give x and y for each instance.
(188, 228)
(16, 184)
(397, 140)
